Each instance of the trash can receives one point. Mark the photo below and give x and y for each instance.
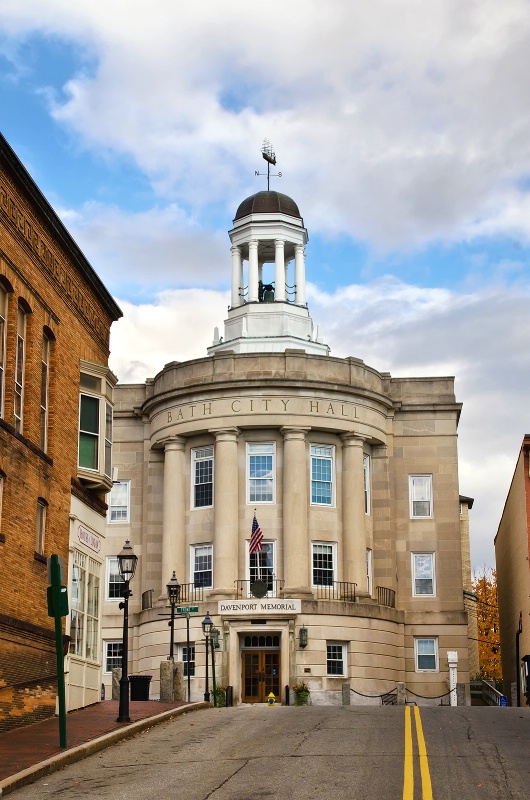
(140, 686)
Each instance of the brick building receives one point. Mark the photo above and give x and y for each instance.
(55, 398)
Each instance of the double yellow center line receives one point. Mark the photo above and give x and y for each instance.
(408, 773)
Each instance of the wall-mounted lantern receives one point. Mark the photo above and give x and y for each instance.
(303, 636)
(214, 637)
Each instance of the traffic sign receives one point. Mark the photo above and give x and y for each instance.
(187, 609)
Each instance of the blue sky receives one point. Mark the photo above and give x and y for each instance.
(401, 130)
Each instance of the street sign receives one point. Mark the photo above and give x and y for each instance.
(503, 700)
(187, 609)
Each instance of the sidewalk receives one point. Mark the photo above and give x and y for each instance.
(26, 753)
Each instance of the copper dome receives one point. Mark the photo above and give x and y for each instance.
(267, 203)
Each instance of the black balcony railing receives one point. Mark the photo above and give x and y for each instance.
(386, 597)
(189, 593)
(337, 590)
(270, 587)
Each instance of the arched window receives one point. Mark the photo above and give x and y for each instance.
(44, 386)
(20, 359)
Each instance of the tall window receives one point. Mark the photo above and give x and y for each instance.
(426, 654)
(19, 367)
(369, 571)
(202, 471)
(95, 425)
(112, 658)
(44, 382)
(201, 565)
(119, 500)
(336, 659)
(323, 563)
(321, 475)
(40, 534)
(89, 432)
(2, 479)
(108, 439)
(366, 470)
(84, 614)
(3, 326)
(420, 494)
(261, 565)
(260, 472)
(188, 657)
(114, 580)
(423, 574)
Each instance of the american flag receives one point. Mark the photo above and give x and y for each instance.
(256, 537)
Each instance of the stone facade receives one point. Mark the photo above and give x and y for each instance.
(54, 313)
(512, 555)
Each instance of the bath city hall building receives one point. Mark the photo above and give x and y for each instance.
(351, 474)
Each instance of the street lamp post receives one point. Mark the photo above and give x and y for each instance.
(127, 566)
(173, 595)
(207, 625)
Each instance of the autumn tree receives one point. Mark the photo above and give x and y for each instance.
(489, 647)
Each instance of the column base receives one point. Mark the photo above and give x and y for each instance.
(221, 594)
(295, 592)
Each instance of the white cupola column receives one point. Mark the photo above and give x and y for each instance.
(253, 279)
(236, 275)
(279, 271)
(299, 274)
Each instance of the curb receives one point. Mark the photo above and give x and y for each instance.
(61, 760)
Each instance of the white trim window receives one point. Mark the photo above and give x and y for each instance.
(323, 559)
(423, 575)
(335, 659)
(187, 660)
(369, 571)
(426, 654)
(420, 496)
(113, 579)
(20, 362)
(261, 565)
(44, 386)
(119, 502)
(112, 655)
(95, 425)
(202, 565)
(366, 479)
(260, 472)
(3, 327)
(84, 612)
(322, 469)
(202, 477)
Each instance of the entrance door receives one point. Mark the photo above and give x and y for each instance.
(261, 675)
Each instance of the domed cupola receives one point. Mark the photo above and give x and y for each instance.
(268, 310)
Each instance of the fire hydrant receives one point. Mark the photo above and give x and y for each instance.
(271, 700)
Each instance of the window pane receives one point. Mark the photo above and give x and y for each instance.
(262, 565)
(322, 565)
(203, 477)
(113, 651)
(88, 451)
(321, 475)
(114, 580)
(89, 418)
(118, 502)
(261, 472)
(426, 654)
(202, 573)
(335, 663)
(423, 574)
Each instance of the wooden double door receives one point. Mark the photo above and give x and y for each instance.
(260, 675)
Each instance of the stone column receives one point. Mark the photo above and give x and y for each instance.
(279, 270)
(296, 546)
(353, 512)
(226, 512)
(174, 509)
(299, 274)
(253, 294)
(236, 274)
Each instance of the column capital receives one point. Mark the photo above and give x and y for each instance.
(352, 439)
(380, 451)
(294, 432)
(173, 443)
(235, 249)
(253, 243)
(225, 434)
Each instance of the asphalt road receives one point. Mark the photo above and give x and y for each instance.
(358, 753)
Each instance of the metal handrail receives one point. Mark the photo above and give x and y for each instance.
(337, 590)
(386, 596)
(491, 696)
(191, 593)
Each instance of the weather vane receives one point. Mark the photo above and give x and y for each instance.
(267, 151)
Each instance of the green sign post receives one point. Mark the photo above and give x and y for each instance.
(58, 608)
(187, 609)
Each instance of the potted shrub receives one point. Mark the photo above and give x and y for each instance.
(301, 693)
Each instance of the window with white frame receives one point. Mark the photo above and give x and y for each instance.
(322, 475)
(366, 475)
(119, 502)
(2, 479)
(335, 659)
(261, 565)
(95, 424)
(3, 327)
(84, 613)
(113, 581)
(202, 477)
(369, 571)
(260, 472)
(420, 495)
(40, 533)
(423, 575)
(426, 654)
(112, 657)
(20, 359)
(187, 656)
(202, 565)
(323, 563)
(44, 385)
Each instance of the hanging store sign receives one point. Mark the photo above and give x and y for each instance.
(89, 539)
(265, 605)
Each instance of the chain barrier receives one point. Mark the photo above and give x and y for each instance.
(373, 695)
(409, 691)
(429, 697)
